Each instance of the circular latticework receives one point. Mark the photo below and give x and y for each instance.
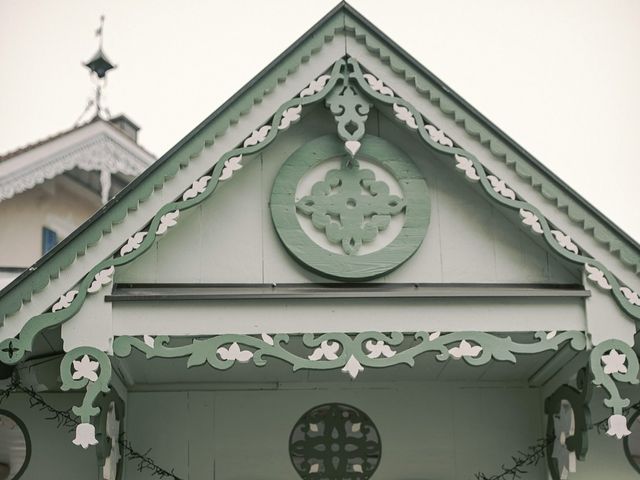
(335, 442)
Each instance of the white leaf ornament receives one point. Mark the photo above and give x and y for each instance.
(103, 277)
(618, 426)
(257, 136)
(315, 86)
(377, 85)
(433, 336)
(64, 301)
(597, 276)
(465, 349)
(353, 367)
(149, 341)
(630, 295)
(466, 165)
(230, 166)
(85, 435)
(289, 116)
(438, 136)
(530, 219)
(133, 243)
(379, 348)
(565, 241)
(234, 353)
(614, 362)
(404, 115)
(326, 350)
(167, 221)
(196, 188)
(268, 339)
(500, 187)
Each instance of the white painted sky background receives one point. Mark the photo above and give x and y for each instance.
(562, 77)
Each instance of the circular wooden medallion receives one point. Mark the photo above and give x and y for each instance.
(358, 220)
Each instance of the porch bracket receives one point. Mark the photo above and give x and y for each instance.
(90, 369)
(351, 354)
(612, 362)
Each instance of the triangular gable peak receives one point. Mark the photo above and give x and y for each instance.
(343, 63)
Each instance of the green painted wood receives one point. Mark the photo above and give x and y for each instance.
(348, 267)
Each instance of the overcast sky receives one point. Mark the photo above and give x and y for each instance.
(562, 77)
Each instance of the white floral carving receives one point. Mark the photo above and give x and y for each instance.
(465, 349)
(64, 301)
(353, 367)
(565, 241)
(404, 115)
(314, 468)
(377, 85)
(618, 426)
(379, 348)
(149, 341)
(85, 368)
(433, 336)
(614, 362)
(234, 353)
(551, 334)
(197, 188)
(85, 435)
(500, 187)
(167, 221)
(466, 165)
(289, 116)
(564, 427)
(315, 86)
(630, 295)
(357, 468)
(257, 136)
(438, 136)
(530, 219)
(133, 243)
(597, 276)
(268, 339)
(326, 350)
(103, 277)
(230, 166)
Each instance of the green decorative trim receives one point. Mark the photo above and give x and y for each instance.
(104, 448)
(410, 117)
(12, 350)
(27, 441)
(342, 19)
(614, 361)
(86, 368)
(351, 354)
(501, 146)
(349, 267)
(578, 443)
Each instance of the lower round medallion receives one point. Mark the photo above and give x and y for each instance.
(350, 218)
(335, 442)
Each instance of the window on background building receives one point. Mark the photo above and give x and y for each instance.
(49, 239)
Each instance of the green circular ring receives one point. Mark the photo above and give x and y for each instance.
(346, 267)
(27, 440)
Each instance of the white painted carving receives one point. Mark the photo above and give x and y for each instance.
(564, 427)
(257, 136)
(500, 187)
(438, 136)
(465, 349)
(353, 367)
(64, 301)
(377, 85)
(551, 334)
(352, 146)
(528, 218)
(466, 165)
(433, 336)
(379, 348)
(102, 154)
(197, 188)
(618, 426)
(314, 468)
(356, 427)
(630, 295)
(104, 277)
(404, 115)
(314, 427)
(85, 435)
(597, 276)
(230, 166)
(326, 350)
(234, 353)
(85, 368)
(315, 86)
(268, 339)
(614, 362)
(149, 340)
(565, 241)
(133, 243)
(289, 116)
(167, 221)
(110, 468)
(357, 468)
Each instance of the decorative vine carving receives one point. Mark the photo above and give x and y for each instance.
(351, 354)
